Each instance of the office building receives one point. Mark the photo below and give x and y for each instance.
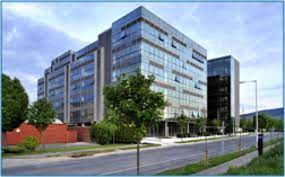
(74, 82)
(141, 40)
(223, 92)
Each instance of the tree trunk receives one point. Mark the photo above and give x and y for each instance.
(42, 140)
(138, 157)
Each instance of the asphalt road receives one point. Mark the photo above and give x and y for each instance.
(152, 160)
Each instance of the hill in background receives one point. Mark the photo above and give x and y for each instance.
(277, 113)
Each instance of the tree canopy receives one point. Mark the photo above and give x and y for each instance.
(41, 114)
(182, 121)
(266, 122)
(14, 103)
(132, 102)
(200, 123)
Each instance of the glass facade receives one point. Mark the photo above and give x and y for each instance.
(223, 91)
(41, 88)
(82, 94)
(75, 80)
(142, 40)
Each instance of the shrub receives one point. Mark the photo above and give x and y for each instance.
(203, 134)
(192, 135)
(101, 133)
(13, 150)
(30, 143)
(125, 134)
(180, 135)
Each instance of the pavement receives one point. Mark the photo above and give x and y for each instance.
(153, 160)
(223, 168)
(172, 140)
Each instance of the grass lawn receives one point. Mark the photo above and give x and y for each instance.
(197, 167)
(93, 152)
(96, 148)
(270, 163)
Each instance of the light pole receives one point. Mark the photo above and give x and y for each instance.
(256, 108)
(223, 141)
(240, 130)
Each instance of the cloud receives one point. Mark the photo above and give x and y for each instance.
(28, 48)
(251, 32)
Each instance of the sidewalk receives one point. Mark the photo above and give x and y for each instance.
(222, 168)
(174, 140)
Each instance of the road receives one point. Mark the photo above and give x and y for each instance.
(152, 160)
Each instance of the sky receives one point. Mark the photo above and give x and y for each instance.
(36, 33)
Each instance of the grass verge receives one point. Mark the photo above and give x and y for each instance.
(270, 163)
(200, 166)
(91, 153)
(89, 150)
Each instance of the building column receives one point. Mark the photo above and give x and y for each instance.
(166, 130)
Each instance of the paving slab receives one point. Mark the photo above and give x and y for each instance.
(223, 168)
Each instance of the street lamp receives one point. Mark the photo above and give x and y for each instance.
(256, 108)
(223, 133)
(239, 130)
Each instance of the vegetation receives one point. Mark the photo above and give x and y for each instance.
(101, 132)
(197, 167)
(13, 150)
(91, 153)
(125, 134)
(41, 114)
(14, 104)
(90, 149)
(182, 121)
(216, 123)
(270, 163)
(245, 124)
(131, 102)
(268, 123)
(200, 124)
(30, 143)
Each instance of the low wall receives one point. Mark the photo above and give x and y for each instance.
(55, 133)
(82, 134)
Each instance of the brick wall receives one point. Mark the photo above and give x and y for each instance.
(82, 134)
(55, 133)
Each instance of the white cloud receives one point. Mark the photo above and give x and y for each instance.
(251, 32)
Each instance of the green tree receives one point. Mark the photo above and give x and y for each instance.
(41, 114)
(200, 123)
(182, 121)
(216, 123)
(15, 103)
(266, 122)
(244, 123)
(101, 132)
(134, 104)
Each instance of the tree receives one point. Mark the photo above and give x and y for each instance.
(14, 104)
(244, 123)
(134, 104)
(216, 123)
(41, 114)
(200, 123)
(182, 121)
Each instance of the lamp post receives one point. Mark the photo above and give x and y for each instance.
(240, 130)
(256, 107)
(223, 134)
(206, 146)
